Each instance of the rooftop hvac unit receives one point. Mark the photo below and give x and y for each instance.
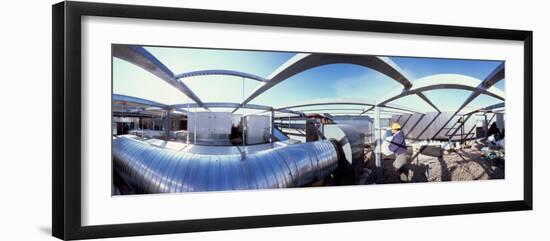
(209, 128)
(257, 129)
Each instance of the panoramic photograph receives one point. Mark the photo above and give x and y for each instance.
(187, 119)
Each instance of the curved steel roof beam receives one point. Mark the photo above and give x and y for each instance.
(445, 81)
(494, 77)
(302, 62)
(495, 106)
(233, 105)
(141, 57)
(290, 112)
(136, 100)
(401, 109)
(308, 61)
(387, 112)
(393, 110)
(330, 109)
(425, 98)
(367, 110)
(483, 87)
(443, 86)
(338, 113)
(221, 105)
(466, 102)
(329, 101)
(340, 101)
(393, 107)
(135, 108)
(488, 108)
(120, 108)
(220, 72)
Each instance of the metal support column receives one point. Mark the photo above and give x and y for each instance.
(243, 119)
(485, 126)
(377, 136)
(167, 122)
(272, 116)
(140, 125)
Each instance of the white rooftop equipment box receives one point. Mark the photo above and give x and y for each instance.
(209, 128)
(257, 128)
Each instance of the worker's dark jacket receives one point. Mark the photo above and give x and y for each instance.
(397, 144)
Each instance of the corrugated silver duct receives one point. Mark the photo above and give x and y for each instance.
(150, 169)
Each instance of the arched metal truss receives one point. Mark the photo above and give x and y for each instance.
(488, 108)
(445, 81)
(234, 105)
(300, 62)
(220, 72)
(454, 81)
(335, 101)
(221, 105)
(342, 101)
(185, 107)
(141, 57)
(494, 77)
(304, 61)
(136, 100)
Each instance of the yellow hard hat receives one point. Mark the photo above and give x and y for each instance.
(395, 126)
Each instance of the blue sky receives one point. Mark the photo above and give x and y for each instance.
(329, 81)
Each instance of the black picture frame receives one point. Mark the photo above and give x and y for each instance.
(66, 122)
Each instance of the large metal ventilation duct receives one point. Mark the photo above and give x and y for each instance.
(351, 144)
(150, 169)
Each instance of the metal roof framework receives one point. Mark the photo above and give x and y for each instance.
(302, 62)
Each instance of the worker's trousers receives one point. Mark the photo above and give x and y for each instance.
(401, 165)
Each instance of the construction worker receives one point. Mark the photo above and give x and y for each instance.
(399, 148)
(494, 131)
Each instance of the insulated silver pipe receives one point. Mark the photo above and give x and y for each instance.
(151, 169)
